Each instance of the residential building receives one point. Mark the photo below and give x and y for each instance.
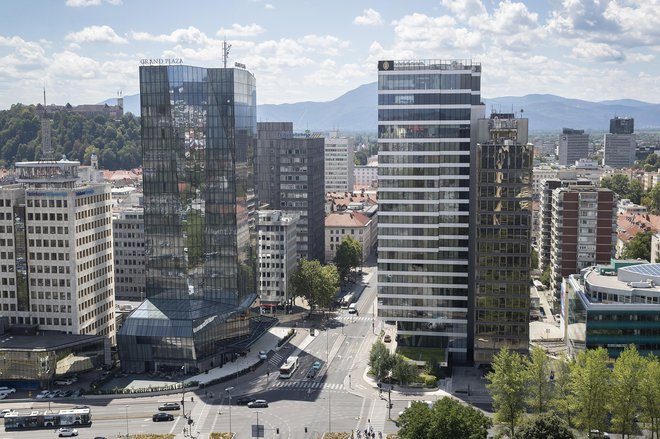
(289, 171)
(56, 251)
(629, 224)
(502, 238)
(613, 307)
(277, 256)
(128, 243)
(583, 230)
(573, 146)
(357, 225)
(198, 138)
(366, 176)
(426, 109)
(339, 176)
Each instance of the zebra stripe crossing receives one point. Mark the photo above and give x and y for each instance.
(304, 385)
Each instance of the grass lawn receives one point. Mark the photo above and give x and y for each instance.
(421, 354)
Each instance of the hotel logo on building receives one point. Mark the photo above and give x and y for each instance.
(160, 61)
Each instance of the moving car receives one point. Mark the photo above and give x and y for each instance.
(5, 412)
(387, 338)
(7, 390)
(244, 400)
(162, 417)
(311, 373)
(263, 355)
(316, 365)
(67, 432)
(64, 382)
(258, 403)
(45, 394)
(169, 406)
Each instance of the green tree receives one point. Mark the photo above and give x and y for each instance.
(380, 360)
(652, 199)
(635, 191)
(414, 421)
(546, 277)
(450, 419)
(535, 259)
(545, 427)
(639, 246)
(318, 284)
(402, 371)
(563, 400)
(349, 256)
(650, 394)
(507, 383)
(618, 183)
(626, 381)
(538, 373)
(590, 381)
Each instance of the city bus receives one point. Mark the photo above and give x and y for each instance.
(48, 419)
(289, 367)
(346, 300)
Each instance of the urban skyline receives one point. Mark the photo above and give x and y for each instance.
(84, 51)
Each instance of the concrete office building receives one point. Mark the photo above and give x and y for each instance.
(583, 230)
(56, 251)
(619, 144)
(573, 146)
(128, 239)
(198, 143)
(289, 171)
(339, 174)
(426, 109)
(277, 256)
(502, 236)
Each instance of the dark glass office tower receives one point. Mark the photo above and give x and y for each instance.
(502, 237)
(198, 140)
(426, 110)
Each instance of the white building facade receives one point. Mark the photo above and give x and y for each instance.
(339, 176)
(128, 237)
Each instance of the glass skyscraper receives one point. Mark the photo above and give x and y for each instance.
(425, 113)
(198, 140)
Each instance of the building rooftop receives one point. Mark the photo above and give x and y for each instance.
(346, 219)
(44, 341)
(630, 224)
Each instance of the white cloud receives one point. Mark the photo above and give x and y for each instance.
(26, 50)
(464, 10)
(269, 6)
(72, 66)
(189, 35)
(425, 33)
(598, 52)
(85, 3)
(331, 45)
(237, 30)
(369, 17)
(96, 34)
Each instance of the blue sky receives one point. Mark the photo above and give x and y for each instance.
(84, 51)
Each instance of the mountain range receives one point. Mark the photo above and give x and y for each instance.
(356, 111)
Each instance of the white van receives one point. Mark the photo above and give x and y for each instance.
(352, 309)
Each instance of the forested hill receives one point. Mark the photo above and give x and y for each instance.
(116, 142)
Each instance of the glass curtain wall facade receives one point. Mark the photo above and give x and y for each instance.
(425, 114)
(198, 139)
(503, 188)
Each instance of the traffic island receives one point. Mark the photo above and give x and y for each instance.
(337, 435)
(221, 435)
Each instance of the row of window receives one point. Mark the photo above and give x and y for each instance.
(51, 230)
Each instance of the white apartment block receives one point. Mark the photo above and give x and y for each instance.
(56, 251)
(366, 176)
(339, 176)
(277, 255)
(358, 226)
(128, 237)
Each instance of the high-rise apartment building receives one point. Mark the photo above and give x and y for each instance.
(573, 146)
(277, 256)
(56, 251)
(198, 143)
(502, 238)
(426, 109)
(619, 144)
(339, 173)
(128, 239)
(583, 230)
(290, 178)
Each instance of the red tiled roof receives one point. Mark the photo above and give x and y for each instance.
(629, 224)
(346, 219)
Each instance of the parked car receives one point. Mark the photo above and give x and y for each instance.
(67, 394)
(263, 355)
(3, 395)
(258, 403)
(244, 400)
(67, 432)
(316, 365)
(7, 390)
(169, 406)
(162, 417)
(387, 338)
(64, 382)
(44, 394)
(311, 373)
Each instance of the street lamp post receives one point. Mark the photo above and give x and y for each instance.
(126, 407)
(228, 390)
(327, 367)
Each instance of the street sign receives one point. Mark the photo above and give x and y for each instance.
(257, 430)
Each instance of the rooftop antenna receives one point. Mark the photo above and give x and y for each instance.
(225, 52)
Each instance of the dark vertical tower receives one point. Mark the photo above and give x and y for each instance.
(198, 140)
(503, 217)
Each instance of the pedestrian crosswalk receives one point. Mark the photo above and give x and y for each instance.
(276, 359)
(305, 385)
